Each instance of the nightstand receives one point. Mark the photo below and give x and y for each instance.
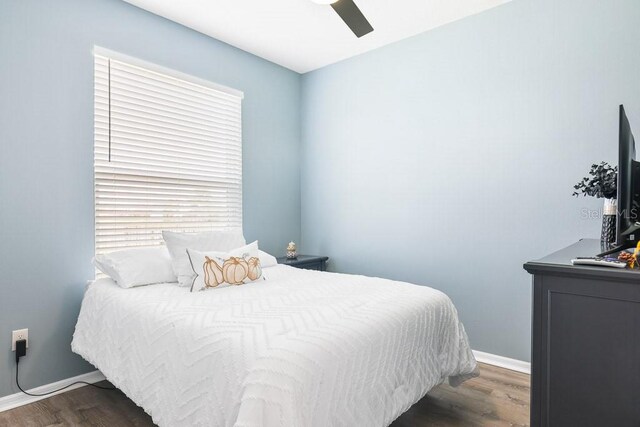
(308, 262)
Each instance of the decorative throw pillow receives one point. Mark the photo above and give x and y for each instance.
(177, 244)
(219, 269)
(267, 260)
(137, 266)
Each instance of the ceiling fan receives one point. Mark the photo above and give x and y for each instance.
(350, 14)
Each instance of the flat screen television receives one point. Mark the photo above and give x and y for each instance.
(628, 214)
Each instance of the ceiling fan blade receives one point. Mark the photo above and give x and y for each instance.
(351, 15)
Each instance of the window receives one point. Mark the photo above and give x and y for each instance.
(168, 153)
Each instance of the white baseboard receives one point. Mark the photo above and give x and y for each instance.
(503, 362)
(19, 399)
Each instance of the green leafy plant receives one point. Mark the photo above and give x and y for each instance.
(602, 182)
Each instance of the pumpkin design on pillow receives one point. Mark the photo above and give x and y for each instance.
(255, 270)
(220, 270)
(212, 273)
(235, 270)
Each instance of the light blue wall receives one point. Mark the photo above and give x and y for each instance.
(46, 157)
(448, 159)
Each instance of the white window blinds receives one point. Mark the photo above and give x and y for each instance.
(168, 154)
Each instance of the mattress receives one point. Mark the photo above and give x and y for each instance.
(300, 349)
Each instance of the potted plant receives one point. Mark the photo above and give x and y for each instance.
(602, 183)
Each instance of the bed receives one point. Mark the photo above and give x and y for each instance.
(301, 349)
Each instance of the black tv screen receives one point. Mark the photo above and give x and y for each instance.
(628, 185)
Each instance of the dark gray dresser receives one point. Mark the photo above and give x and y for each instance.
(585, 366)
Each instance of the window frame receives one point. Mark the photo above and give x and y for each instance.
(99, 162)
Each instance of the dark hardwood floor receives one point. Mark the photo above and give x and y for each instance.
(499, 397)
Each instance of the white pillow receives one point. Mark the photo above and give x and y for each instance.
(267, 260)
(177, 243)
(137, 266)
(220, 269)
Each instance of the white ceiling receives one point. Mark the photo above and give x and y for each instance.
(304, 36)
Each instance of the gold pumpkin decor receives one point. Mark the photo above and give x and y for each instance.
(235, 270)
(291, 251)
(212, 273)
(255, 271)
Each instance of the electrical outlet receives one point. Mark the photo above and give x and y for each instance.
(20, 334)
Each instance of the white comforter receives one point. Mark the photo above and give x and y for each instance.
(302, 348)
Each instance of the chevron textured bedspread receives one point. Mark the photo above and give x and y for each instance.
(300, 349)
